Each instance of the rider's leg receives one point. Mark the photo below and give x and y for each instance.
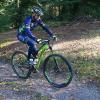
(32, 51)
(32, 48)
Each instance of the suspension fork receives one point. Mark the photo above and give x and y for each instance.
(56, 68)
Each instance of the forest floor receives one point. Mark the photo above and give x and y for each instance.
(80, 43)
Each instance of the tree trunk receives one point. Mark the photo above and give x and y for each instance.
(18, 3)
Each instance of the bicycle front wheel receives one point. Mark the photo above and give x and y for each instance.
(57, 70)
(20, 64)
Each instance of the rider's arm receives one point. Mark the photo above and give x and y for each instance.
(29, 34)
(45, 27)
(27, 23)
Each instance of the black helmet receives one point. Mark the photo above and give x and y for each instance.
(37, 10)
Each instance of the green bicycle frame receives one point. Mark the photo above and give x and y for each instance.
(40, 56)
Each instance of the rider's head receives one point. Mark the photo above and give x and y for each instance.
(37, 12)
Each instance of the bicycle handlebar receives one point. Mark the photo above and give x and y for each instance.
(46, 41)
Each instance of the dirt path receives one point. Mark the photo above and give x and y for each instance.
(37, 88)
(75, 42)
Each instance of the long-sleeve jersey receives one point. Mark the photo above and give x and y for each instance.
(29, 24)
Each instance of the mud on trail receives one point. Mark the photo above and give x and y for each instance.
(77, 42)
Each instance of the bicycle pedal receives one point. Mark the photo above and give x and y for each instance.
(34, 70)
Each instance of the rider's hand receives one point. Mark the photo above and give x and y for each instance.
(38, 41)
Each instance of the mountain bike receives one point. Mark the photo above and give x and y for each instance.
(56, 68)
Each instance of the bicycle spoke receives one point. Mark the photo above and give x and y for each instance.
(20, 64)
(57, 70)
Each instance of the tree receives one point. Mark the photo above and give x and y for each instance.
(18, 3)
(23, 8)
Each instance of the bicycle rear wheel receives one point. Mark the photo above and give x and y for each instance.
(57, 70)
(20, 64)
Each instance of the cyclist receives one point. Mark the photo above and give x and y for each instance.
(25, 34)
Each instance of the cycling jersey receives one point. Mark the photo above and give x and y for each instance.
(29, 24)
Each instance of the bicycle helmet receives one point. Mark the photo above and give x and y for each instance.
(37, 10)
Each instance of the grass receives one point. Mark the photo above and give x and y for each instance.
(7, 43)
(83, 53)
(86, 69)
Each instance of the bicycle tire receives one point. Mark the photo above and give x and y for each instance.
(27, 74)
(67, 64)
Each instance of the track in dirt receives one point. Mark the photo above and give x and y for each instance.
(71, 41)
